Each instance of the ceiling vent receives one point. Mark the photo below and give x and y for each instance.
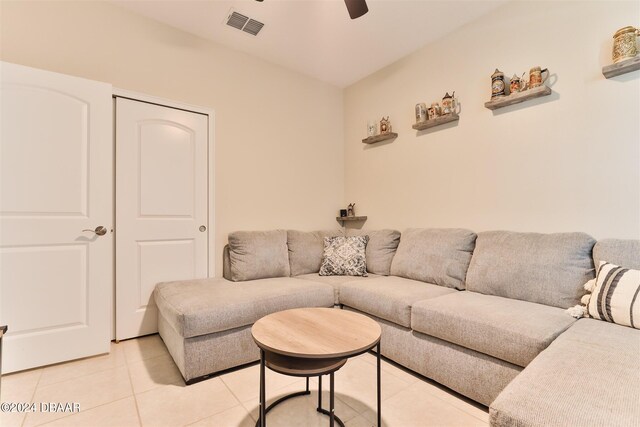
(244, 23)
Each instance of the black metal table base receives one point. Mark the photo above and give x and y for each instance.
(333, 418)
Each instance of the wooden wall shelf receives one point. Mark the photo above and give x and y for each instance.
(342, 219)
(622, 67)
(447, 118)
(381, 137)
(517, 98)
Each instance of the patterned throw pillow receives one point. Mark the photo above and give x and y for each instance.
(614, 297)
(344, 256)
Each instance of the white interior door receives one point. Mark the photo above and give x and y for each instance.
(161, 206)
(56, 174)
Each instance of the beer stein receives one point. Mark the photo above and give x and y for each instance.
(624, 44)
(497, 84)
(535, 77)
(449, 103)
(421, 112)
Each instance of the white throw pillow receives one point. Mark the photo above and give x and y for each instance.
(616, 295)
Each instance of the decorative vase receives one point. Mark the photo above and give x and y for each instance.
(624, 44)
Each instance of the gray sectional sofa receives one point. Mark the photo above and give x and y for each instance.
(483, 314)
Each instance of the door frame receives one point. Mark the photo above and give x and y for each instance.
(211, 237)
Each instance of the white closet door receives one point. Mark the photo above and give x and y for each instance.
(56, 175)
(161, 207)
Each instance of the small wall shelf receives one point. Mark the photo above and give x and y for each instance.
(447, 118)
(517, 98)
(622, 67)
(378, 138)
(342, 219)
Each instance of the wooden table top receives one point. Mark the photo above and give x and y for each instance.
(316, 333)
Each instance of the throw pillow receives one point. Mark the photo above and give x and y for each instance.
(615, 295)
(344, 256)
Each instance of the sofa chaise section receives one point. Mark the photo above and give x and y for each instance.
(206, 323)
(589, 376)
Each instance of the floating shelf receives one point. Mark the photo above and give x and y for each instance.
(378, 138)
(517, 98)
(342, 219)
(622, 67)
(447, 118)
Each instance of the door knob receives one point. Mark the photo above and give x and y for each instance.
(100, 230)
(203, 228)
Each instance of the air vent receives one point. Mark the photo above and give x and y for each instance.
(237, 20)
(253, 27)
(244, 23)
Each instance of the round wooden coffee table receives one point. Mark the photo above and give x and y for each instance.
(310, 342)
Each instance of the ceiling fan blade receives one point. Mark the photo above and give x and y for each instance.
(356, 8)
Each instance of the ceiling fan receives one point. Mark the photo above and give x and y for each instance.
(356, 8)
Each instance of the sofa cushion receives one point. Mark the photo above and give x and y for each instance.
(511, 330)
(335, 281)
(205, 306)
(380, 250)
(615, 295)
(587, 377)
(547, 269)
(389, 298)
(619, 252)
(306, 249)
(438, 256)
(258, 255)
(344, 256)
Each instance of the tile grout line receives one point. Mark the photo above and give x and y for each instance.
(135, 397)
(55, 420)
(33, 396)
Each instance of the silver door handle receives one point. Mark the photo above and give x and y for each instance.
(100, 230)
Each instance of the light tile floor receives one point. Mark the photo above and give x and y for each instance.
(138, 384)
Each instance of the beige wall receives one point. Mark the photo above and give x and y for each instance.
(570, 161)
(278, 134)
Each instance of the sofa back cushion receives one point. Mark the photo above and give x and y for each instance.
(380, 250)
(258, 255)
(625, 253)
(306, 249)
(438, 256)
(547, 269)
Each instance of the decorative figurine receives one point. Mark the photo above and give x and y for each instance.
(449, 103)
(431, 113)
(421, 112)
(385, 125)
(535, 77)
(497, 84)
(351, 209)
(624, 43)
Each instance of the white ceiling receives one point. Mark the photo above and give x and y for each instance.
(317, 37)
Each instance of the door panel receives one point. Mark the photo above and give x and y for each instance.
(56, 169)
(161, 203)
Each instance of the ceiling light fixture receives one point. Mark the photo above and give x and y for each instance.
(356, 8)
